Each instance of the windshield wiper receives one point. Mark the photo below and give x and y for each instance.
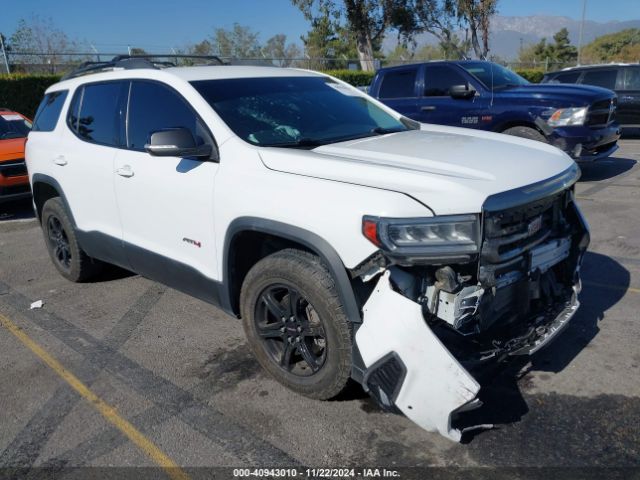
(300, 143)
(384, 131)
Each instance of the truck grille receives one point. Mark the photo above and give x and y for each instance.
(510, 234)
(602, 113)
(13, 168)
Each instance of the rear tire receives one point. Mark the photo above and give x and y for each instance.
(296, 325)
(526, 132)
(62, 244)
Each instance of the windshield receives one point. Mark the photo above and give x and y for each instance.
(492, 74)
(295, 111)
(13, 125)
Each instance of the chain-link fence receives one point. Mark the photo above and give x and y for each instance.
(61, 63)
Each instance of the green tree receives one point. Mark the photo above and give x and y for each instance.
(559, 52)
(365, 20)
(239, 42)
(283, 53)
(328, 43)
(38, 41)
(622, 46)
(442, 18)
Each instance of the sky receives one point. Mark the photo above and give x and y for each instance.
(157, 25)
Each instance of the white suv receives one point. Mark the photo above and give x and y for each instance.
(352, 242)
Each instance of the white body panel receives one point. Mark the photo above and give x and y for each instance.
(331, 210)
(451, 170)
(435, 384)
(167, 202)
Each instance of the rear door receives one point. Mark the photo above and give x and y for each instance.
(437, 106)
(399, 90)
(629, 98)
(166, 203)
(83, 160)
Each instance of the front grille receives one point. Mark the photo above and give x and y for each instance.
(13, 168)
(508, 235)
(602, 112)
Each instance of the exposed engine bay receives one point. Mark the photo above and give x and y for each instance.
(511, 298)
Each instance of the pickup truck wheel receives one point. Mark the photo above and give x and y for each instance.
(62, 244)
(296, 325)
(526, 132)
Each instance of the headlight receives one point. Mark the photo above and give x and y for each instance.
(564, 117)
(447, 238)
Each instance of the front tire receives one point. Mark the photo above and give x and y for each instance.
(296, 325)
(526, 132)
(65, 252)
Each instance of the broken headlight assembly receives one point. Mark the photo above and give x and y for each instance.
(428, 240)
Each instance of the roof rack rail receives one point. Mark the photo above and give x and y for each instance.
(129, 62)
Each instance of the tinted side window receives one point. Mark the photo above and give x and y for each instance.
(153, 107)
(399, 84)
(99, 116)
(569, 77)
(438, 80)
(633, 78)
(601, 78)
(49, 111)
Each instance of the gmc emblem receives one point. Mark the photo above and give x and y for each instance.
(534, 226)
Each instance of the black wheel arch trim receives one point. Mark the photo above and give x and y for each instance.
(308, 239)
(53, 183)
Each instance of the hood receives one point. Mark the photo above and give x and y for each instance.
(12, 148)
(450, 170)
(577, 94)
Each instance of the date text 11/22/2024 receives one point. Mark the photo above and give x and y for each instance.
(316, 473)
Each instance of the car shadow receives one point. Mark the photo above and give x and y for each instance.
(501, 393)
(16, 210)
(605, 169)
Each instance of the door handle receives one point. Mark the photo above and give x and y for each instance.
(125, 171)
(60, 160)
(428, 108)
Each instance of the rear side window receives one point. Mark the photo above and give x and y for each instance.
(601, 78)
(49, 111)
(153, 107)
(438, 80)
(94, 114)
(399, 84)
(570, 77)
(632, 81)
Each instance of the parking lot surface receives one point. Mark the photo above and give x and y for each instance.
(177, 383)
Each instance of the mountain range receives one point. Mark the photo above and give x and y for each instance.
(509, 33)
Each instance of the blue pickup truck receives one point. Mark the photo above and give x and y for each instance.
(476, 94)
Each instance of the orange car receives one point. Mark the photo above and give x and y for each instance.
(14, 181)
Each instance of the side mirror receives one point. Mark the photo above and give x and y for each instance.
(462, 91)
(176, 142)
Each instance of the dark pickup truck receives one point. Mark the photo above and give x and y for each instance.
(581, 120)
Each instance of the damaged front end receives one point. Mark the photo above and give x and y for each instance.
(445, 295)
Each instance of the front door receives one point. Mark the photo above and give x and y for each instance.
(437, 106)
(166, 203)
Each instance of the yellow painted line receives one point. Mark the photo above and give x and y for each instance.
(613, 287)
(107, 411)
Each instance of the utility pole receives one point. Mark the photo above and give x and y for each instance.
(4, 54)
(584, 11)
